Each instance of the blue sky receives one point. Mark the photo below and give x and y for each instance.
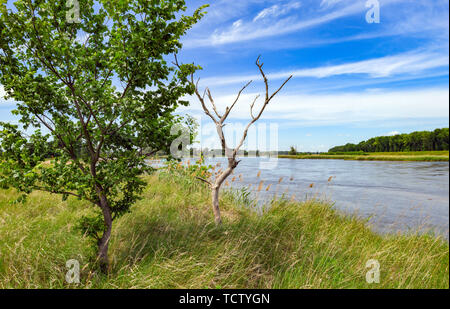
(352, 80)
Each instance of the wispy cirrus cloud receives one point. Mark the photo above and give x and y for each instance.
(328, 3)
(413, 62)
(258, 27)
(277, 10)
(399, 17)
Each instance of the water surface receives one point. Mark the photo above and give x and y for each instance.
(397, 196)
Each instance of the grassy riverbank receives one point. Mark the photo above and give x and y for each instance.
(378, 156)
(169, 241)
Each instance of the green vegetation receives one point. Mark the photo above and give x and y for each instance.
(64, 76)
(170, 241)
(377, 156)
(292, 151)
(415, 141)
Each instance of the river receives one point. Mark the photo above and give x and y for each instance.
(396, 196)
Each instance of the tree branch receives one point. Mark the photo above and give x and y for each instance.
(228, 110)
(212, 102)
(251, 106)
(204, 180)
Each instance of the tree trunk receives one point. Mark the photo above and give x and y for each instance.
(232, 163)
(215, 203)
(103, 243)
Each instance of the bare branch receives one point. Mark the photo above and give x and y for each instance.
(212, 102)
(176, 61)
(204, 180)
(266, 102)
(251, 106)
(202, 100)
(228, 109)
(281, 87)
(266, 83)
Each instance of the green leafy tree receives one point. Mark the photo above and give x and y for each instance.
(292, 151)
(96, 79)
(442, 138)
(415, 141)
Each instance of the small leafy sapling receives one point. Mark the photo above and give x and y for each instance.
(102, 89)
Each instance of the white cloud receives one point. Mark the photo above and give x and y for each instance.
(341, 108)
(381, 67)
(3, 101)
(328, 3)
(407, 63)
(267, 12)
(355, 107)
(419, 19)
(256, 28)
(237, 23)
(392, 133)
(277, 10)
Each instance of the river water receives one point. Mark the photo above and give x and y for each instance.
(396, 196)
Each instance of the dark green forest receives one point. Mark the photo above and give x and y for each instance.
(415, 141)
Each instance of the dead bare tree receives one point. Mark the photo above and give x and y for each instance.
(219, 122)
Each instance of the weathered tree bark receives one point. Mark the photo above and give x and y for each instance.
(103, 243)
(219, 121)
(215, 188)
(215, 202)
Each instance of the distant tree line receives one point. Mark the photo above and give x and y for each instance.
(415, 141)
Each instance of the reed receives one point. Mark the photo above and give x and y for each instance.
(169, 240)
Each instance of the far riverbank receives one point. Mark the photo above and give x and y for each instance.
(425, 156)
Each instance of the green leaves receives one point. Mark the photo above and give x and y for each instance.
(101, 88)
(91, 226)
(415, 141)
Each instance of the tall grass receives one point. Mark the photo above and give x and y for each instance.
(169, 240)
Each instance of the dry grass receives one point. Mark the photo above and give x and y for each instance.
(169, 241)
